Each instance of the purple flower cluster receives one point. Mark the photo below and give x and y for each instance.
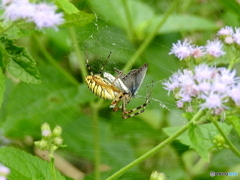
(210, 86)
(43, 15)
(185, 49)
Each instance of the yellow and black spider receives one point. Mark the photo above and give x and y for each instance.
(120, 88)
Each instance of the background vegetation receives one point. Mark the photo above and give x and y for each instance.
(99, 142)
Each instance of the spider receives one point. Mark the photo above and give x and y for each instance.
(120, 88)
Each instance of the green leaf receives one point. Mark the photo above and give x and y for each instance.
(198, 142)
(2, 86)
(17, 32)
(123, 13)
(25, 166)
(68, 7)
(232, 6)
(43, 103)
(21, 65)
(176, 23)
(207, 133)
(234, 120)
(78, 19)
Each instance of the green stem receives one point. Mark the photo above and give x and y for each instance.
(96, 140)
(204, 118)
(77, 50)
(50, 59)
(53, 170)
(155, 149)
(149, 38)
(231, 146)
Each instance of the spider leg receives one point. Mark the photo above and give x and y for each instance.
(127, 113)
(115, 103)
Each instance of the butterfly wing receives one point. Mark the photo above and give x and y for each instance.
(134, 78)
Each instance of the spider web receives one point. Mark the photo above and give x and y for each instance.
(90, 133)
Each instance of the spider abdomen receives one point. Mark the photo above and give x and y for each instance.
(101, 87)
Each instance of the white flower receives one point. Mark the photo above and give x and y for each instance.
(46, 133)
(229, 40)
(185, 97)
(236, 36)
(234, 93)
(212, 101)
(214, 48)
(204, 86)
(181, 50)
(21, 9)
(219, 86)
(198, 51)
(227, 76)
(179, 104)
(203, 72)
(225, 31)
(45, 16)
(172, 83)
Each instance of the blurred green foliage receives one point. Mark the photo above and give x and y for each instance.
(90, 129)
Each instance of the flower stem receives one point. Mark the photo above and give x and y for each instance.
(150, 36)
(53, 170)
(231, 146)
(96, 140)
(157, 148)
(53, 62)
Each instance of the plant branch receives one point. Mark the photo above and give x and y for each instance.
(157, 148)
(231, 146)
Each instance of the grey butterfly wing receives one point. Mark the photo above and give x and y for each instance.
(134, 78)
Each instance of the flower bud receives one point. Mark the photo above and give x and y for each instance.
(46, 131)
(58, 141)
(43, 144)
(57, 131)
(219, 140)
(157, 176)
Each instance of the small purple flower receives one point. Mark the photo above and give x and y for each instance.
(21, 9)
(236, 36)
(181, 50)
(234, 93)
(219, 86)
(225, 31)
(180, 104)
(45, 16)
(203, 72)
(214, 48)
(227, 77)
(212, 101)
(198, 51)
(204, 86)
(229, 40)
